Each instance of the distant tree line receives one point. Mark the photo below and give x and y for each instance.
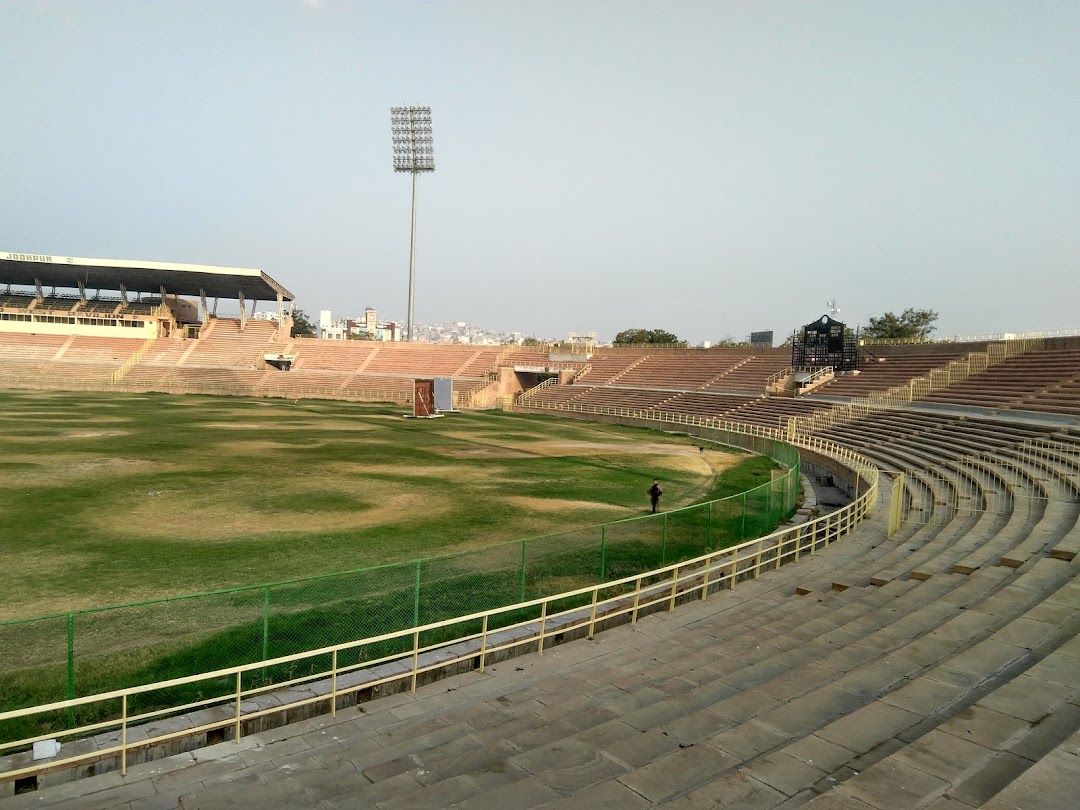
(631, 337)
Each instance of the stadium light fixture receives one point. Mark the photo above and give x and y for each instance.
(414, 153)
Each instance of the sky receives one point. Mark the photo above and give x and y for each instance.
(705, 167)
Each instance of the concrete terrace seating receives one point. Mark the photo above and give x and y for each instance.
(100, 306)
(606, 368)
(333, 355)
(22, 348)
(15, 301)
(774, 412)
(753, 373)
(140, 308)
(88, 349)
(555, 394)
(480, 363)
(420, 359)
(686, 369)
(225, 344)
(880, 374)
(1038, 381)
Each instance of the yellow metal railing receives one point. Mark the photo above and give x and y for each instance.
(774, 379)
(986, 338)
(526, 395)
(132, 361)
(629, 596)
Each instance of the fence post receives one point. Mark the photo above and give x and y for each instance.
(266, 622)
(71, 667)
(742, 527)
(603, 553)
(708, 532)
(522, 599)
(663, 541)
(416, 598)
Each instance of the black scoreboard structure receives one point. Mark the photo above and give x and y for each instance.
(761, 340)
(825, 342)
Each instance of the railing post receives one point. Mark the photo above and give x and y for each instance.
(415, 658)
(333, 684)
(592, 616)
(674, 587)
(71, 667)
(637, 601)
(543, 624)
(236, 731)
(123, 735)
(483, 642)
(705, 579)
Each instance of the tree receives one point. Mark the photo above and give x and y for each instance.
(629, 337)
(911, 323)
(302, 325)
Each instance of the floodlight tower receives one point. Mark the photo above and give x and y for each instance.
(414, 153)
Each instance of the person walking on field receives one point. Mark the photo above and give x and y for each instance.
(655, 491)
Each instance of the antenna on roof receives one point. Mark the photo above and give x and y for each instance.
(834, 310)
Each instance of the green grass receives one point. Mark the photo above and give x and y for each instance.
(152, 495)
(122, 498)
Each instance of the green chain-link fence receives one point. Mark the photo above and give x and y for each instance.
(85, 652)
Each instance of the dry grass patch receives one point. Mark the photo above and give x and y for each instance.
(66, 467)
(168, 516)
(557, 505)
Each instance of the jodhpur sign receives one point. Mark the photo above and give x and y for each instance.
(34, 257)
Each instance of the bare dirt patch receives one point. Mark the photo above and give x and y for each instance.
(558, 505)
(55, 468)
(488, 452)
(168, 516)
(237, 425)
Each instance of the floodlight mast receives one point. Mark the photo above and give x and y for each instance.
(414, 153)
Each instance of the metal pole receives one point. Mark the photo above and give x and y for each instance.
(412, 262)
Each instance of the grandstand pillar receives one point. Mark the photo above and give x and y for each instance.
(205, 311)
(82, 291)
(280, 309)
(243, 313)
(40, 294)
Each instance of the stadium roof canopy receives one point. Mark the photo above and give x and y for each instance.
(137, 276)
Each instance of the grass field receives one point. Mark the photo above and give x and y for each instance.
(110, 499)
(117, 498)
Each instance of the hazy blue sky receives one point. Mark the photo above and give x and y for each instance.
(705, 167)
